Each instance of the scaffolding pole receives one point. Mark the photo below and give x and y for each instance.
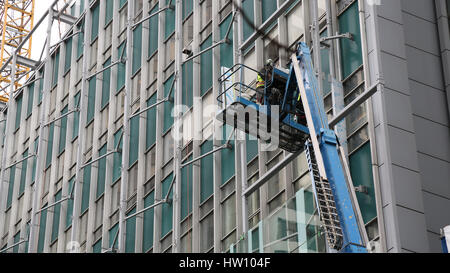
(81, 128)
(126, 130)
(43, 130)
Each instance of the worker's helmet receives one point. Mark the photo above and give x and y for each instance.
(269, 62)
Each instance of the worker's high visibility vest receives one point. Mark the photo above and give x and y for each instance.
(259, 82)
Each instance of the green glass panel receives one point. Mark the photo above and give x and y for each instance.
(30, 98)
(97, 247)
(23, 173)
(206, 67)
(48, 158)
(226, 50)
(117, 157)
(18, 112)
(42, 226)
(55, 69)
(170, 21)
(68, 56)
(351, 54)
(33, 172)
(76, 116)
(41, 86)
(91, 100)
(109, 11)
(252, 147)
(112, 235)
(81, 6)
(167, 211)
(63, 131)
(153, 35)
(86, 188)
(12, 175)
(187, 84)
(16, 241)
(186, 190)
(95, 21)
(134, 140)
(168, 106)
(227, 156)
(121, 67)
(101, 174)
(130, 233)
(148, 223)
(151, 122)
(56, 215)
(80, 40)
(188, 6)
(249, 13)
(137, 48)
(268, 8)
(69, 212)
(206, 172)
(361, 170)
(106, 83)
(122, 3)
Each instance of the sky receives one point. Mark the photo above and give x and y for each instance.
(41, 6)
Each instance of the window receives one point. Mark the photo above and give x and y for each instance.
(80, 40)
(151, 122)
(170, 21)
(166, 214)
(18, 112)
(227, 155)
(248, 7)
(206, 172)
(351, 54)
(206, 67)
(101, 172)
(148, 223)
(130, 233)
(137, 48)
(12, 175)
(117, 157)
(42, 226)
(63, 131)
(109, 11)
(106, 83)
(134, 140)
(268, 8)
(48, 160)
(23, 173)
(188, 6)
(91, 100)
(95, 21)
(226, 50)
(186, 189)
(252, 147)
(76, 117)
(121, 67)
(86, 188)
(30, 99)
(68, 56)
(187, 94)
(153, 32)
(69, 212)
(55, 68)
(56, 215)
(168, 106)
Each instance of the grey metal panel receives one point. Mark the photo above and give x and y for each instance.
(408, 190)
(392, 38)
(435, 242)
(425, 67)
(390, 9)
(392, 241)
(429, 103)
(420, 8)
(403, 148)
(436, 215)
(398, 110)
(395, 72)
(421, 34)
(432, 138)
(435, 175)
(412, 228)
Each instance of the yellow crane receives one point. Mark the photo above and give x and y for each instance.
(17, 18)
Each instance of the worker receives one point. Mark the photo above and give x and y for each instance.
(260, 80)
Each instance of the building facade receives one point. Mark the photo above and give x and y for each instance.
(91, 160)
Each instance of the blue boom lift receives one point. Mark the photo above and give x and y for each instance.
(303, 125)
